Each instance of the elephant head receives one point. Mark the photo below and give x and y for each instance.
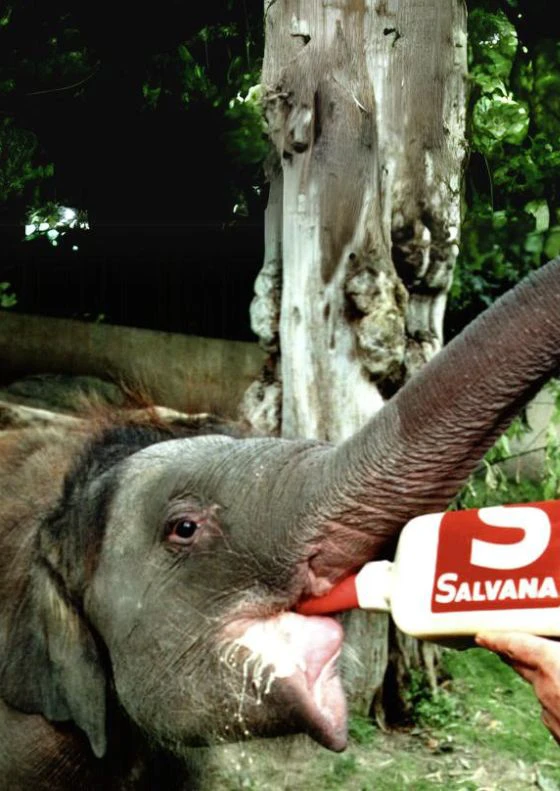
(163, 576)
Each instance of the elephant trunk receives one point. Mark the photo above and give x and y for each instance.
(416, 453)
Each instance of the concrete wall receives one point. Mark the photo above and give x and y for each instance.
(183, 372)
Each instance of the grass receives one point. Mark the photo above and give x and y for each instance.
(500, 710)
(482, 732)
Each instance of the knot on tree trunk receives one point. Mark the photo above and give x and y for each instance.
(376, 305)
(424, 250)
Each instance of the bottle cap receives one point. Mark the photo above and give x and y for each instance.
(368, 589)
(342, 597)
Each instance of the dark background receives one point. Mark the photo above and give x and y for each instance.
(159, 179)
(165, 250)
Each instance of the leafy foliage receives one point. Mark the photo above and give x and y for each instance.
(512, 218)
(247, 141)
(20, 164)
(432, 709)
(194, 73)
(361, 729)
(7, 298)
(58, 60)
(66, 61)
(53, 221)
(127, 72)
(494, 484)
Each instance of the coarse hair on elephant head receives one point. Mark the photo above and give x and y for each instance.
(149, 579)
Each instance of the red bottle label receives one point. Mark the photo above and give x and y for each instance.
(500, 558)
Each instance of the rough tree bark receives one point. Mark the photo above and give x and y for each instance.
(365, 103)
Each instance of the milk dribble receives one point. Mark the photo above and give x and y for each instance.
(461, 572)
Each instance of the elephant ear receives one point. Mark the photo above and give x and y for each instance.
(51, 664)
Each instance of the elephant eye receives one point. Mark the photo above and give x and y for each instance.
(182, 532)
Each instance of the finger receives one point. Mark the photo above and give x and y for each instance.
(547, 688)
(520, 648)
(552, 723)
(527, 673)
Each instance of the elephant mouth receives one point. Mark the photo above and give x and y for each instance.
(292, 665)
(321, 704)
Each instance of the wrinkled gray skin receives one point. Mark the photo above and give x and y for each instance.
(122, 641)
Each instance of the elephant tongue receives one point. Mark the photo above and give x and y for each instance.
(302, 653)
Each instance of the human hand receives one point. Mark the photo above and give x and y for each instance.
(535, 659)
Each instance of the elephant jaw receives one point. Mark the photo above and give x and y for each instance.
(292, 660)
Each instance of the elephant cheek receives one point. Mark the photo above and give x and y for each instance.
(340, 550)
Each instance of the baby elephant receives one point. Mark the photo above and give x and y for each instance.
(148, 580)
(145, 591)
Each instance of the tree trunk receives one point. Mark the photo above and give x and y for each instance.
(365, 103)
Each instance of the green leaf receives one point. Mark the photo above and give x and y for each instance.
(539, 210)
(488, 83)
(498, 119)
(6, 16)
(7, 86)
(151, 94)
(184, 54)
(534, 243)
(552, 243)
(499, 219)
(493, 41)
(7, 299)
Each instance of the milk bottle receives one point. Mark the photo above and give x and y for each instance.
(462, 572)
